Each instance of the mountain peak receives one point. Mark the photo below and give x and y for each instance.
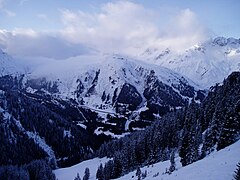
(206, 63)
(223, 41)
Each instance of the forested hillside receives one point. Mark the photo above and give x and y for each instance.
(193, 132)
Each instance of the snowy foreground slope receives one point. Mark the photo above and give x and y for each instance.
(71, 172)
(217, 166)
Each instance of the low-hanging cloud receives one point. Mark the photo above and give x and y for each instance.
(117, 27)
(23, 42)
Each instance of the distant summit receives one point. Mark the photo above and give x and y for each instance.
(205, 63)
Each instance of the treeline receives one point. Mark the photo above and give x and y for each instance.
(193, 132)
(35, 170)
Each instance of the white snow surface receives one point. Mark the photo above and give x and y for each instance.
(219, 165)
(71, 172)
(98, 131)
(206, 63)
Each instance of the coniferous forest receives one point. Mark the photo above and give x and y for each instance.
(193, 132)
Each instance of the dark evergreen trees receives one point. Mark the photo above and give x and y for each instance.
(37, 169)
(221, 109)
(108, 170)
(100, 173)
(77, 177)
(191, 136)
(43, 116)
(173, 164)
(86, 174)
(144, 175)
(138, 173)
(40, 170)
(13, 173)
(237, 172)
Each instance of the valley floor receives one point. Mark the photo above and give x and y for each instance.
(217, 166)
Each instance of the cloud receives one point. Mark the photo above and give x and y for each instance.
(116, 27)
(42, 16)
(28, 43)
(127, 27)
(182, 31)
(9, 13)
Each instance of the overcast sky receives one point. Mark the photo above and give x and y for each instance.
(60, 29)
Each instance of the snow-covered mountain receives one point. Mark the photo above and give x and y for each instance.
(113, 86)
(120, 85)
(95, 79)
(206, 63)
(64, 110)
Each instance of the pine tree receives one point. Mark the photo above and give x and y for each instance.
(86, 174)
(40, 170)
(237, 172)
(230, 131)
(108, 170)
(100, 175)
(138, 173)
(78, 177)
(191, 136)
(144, 175)
(173, 164)
(117, 165)
(211, 137)
(13, 172)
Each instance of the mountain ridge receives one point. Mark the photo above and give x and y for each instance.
(205, 63)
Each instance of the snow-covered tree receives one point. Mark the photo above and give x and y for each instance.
(77, 177)
(237, 172)
(173, 164)
(86, 174)
(138, 173)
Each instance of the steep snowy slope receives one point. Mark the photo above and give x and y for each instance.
(218, 165)
(91, 78)
(206, 64)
